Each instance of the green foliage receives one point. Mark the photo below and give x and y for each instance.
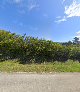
(15, 66)
(76, 40)
(33, 50)
(75, 53)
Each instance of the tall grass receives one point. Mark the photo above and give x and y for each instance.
(15, 66)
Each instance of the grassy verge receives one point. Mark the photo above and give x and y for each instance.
(14, 66)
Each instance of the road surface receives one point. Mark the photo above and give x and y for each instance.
(24, 82)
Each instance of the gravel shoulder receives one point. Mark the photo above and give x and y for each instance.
(25, 82)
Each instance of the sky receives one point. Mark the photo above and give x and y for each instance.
(56, 20)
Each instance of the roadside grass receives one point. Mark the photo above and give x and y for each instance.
(15, 66)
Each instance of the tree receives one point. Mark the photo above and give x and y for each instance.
(76, 40)
(67, 43)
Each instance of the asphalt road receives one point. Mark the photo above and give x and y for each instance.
(23, 82)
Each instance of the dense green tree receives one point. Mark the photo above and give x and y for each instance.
(76, 40)
(33, 50)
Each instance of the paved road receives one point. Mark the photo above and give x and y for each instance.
(59, 82)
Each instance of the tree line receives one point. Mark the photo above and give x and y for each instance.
(28, 49)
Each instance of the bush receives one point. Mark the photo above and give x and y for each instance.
(34, 50)
(75, 53)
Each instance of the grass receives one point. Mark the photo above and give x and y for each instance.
(14, 66)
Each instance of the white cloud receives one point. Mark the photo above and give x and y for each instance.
(78, 34)
(58, 17)
(73, 10)
(23, 6)
(64, 1)
(17, 1)
(61, 19)
(13, 1)
(32, 4)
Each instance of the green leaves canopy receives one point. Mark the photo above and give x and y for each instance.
(29, 49)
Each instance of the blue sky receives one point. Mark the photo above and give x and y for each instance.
(57, 20)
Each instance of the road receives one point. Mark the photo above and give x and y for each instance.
(24, 82)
